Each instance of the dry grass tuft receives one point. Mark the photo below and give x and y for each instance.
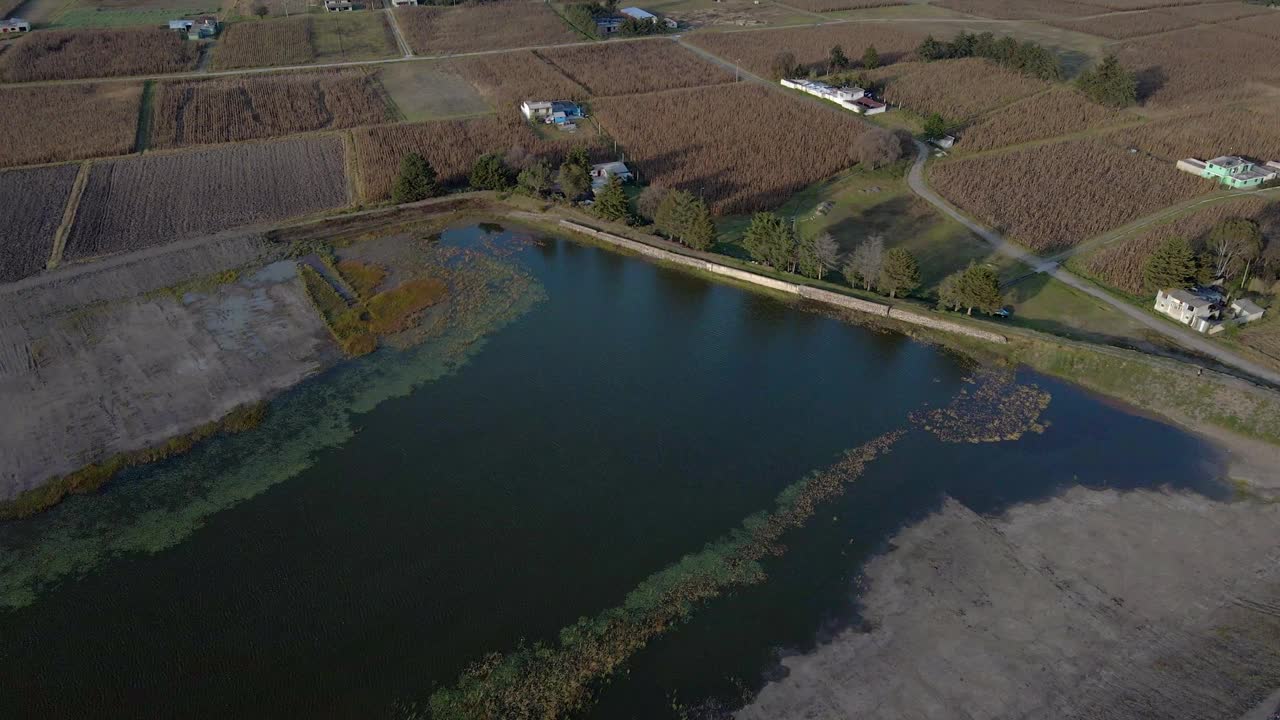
(756, 49)
(631, 68)
(494, 25)
(48, 124)
(959, 90)
(1060, 111)
(71, 54)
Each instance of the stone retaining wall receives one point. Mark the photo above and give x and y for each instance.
(804, 291)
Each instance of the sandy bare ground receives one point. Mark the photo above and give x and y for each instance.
(1092, 605)
(98, 362)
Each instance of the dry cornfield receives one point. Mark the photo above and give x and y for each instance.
(1120, 27)
(629, 68)
(1267, 26)
(1120, 264)
(1219, 12)
(756, 49)
(1051, 197)
(496, 25)
(1253, 132)
(220, 110)
(1189, 68)
(337, 37)
(506, 79)
(1019, 9)
(1060, 111)
(837, 5)
(741, 147)
(959, 90)
(48, 123)
(31, 213)
(137, 202)
(71, 54)
(451, 146)
(1143, 4)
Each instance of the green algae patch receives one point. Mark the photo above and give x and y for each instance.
(994, 408)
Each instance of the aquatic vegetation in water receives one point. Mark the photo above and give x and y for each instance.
(540, 681)
(996, 408)
(154, 508)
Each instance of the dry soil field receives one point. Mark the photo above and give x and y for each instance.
(756, 49)
(1061, 111)
(629, 68)
(48, 123)
(338, 37)
(1119, 27)
(29, 225)
(69, 54)
(959, 90)
(1051, 197)
(488, 26)
(137, 202)
(701, 140)
(1190, 68)
(1219, 12)
(243, 108)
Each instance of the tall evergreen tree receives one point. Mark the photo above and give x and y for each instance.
(684, 217)
(871, 58)
(1109, 84)
(979, 287)
(417, 180)
(1172, 265)
(573, 180)
(578, 156)
(808, 263)
(611, 201)
(901, 272)
(837, 60)
(535, 179)
(771, 241)
(490, 173)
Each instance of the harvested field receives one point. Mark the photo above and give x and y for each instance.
(1144, 4)
(1254, 132)
(1267, 26)
(1263, 337)
(34, 122)
(837, 5)
(1120, 27)
(755, 50)
(30, 225)
(138, 202)
(959, 90)
(1061, 111)
(244, 108)
(1051, 197)
(509, 78)
(1219, 12)
(451, 146)
(631, 68)
(1019, 9)
(70, 54)
(1187, 68)
(487, 26)
(336, 37)
(1120, 264)
(429, 91)
(694, 140)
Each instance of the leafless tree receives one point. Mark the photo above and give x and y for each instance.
(877, 148)
(865, 262)
(827, 251)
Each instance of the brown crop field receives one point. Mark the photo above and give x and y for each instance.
(508, 78)
(631, 68)
(1267, 26)
(1189, 68)
(1144, 4)
(1019, 9)
(71, 54)
(837, 5)
(137, 202)
(704, 141)
(336, 37)
(1120, 27)
(1051, 197)
(451, 146)
(29, 225)
(1219, 12)
(959, 90)
(48, 123)
(756, 49)
(485, 26)
(1061, 111)
(1120, 264)
(230, 109)
(1239, 130)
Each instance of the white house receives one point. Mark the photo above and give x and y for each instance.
(867, 106)
(1188, 308)
(1246, 310)
(339, 6)
(559, 112)
(14, 26)
(601, 173)
(846, 97)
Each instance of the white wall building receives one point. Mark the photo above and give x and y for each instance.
(1188, 308)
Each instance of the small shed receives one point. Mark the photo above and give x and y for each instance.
(638, 14)
(1246, 310)
(183, 25)
(608, 25)
(14, 26)
(600, 173)
(945, 142)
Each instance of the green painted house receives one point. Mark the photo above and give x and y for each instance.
(1232, 171)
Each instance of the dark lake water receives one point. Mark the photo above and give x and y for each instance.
(404, 514)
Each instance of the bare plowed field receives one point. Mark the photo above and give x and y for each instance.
(959, 90)
(1019, 9)
(509, 78)
(70, 54)
(244, 108)
(1219, 12)
(1119, 27)
(1051, 197)
(48, 123)
(707, 142)
(837, 5)
(1120, 264)
(451, 146)
(1254, 132)
(138, 202)
(337, 37)
(755, 50)
(1190, 68)
(630, 68)
(1058, 112)
(494, 25)
(29, 225)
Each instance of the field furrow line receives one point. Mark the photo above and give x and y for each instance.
(68, 216)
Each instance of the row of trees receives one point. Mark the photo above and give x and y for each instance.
(1231, 250)
(784, 64)
(1025, 57)
(1109, 84)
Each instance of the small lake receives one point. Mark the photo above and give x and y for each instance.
(400, 516)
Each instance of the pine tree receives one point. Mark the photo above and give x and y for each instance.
(935, 126)
(611, 201)
(771, 241)
(808, 263)
(700, 230)
(901, 272)
(1172, 265)
(1109, 84)
(573, 180)
(837, 60)
(979, 288)
(871, 58)
(417, 180)
(578, 156)
(536, 178)
(490, 173)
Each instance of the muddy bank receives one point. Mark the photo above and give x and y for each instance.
(1096, 605)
